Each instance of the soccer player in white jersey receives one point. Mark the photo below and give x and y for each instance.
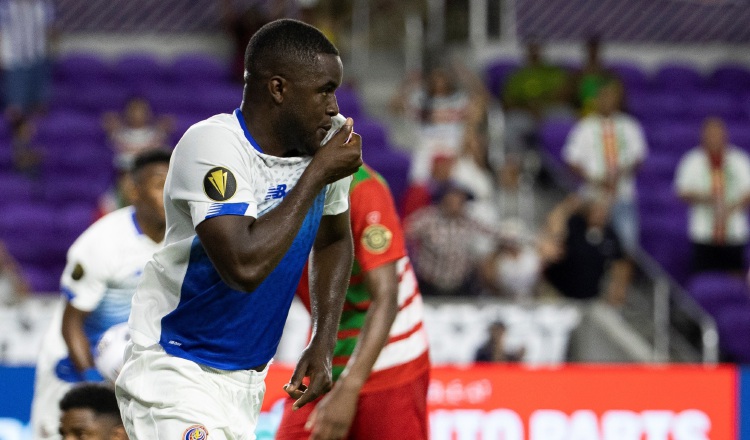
(103, 267)
(248, 197)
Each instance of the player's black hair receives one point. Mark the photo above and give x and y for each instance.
(94, 396)
(281, 42)
(148, 157)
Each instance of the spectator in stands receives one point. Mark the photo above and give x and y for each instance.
(136, 130)
(27, 157)
(26, 30)
(13, 285)
(592, 77)
(442, 239)
(514, 197)
(589, 249)
(714, 179)
(513, 270)
(605, 149)
(532, 93)
(90, 412)
(447, 103)
(495, 349)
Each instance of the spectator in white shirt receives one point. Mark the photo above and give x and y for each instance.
(25, 31)
(714, 179)
(605, 149)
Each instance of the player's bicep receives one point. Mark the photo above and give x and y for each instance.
(212, 174)
(84, 279)
(333, 229)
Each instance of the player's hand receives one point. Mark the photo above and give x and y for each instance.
(341, 156)
(333, 415)
(314, 363)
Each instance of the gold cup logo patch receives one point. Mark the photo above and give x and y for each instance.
(219, 184)
(377, 238)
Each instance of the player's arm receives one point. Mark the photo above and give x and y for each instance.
(330, 267)
(244, 249)
(79, 348)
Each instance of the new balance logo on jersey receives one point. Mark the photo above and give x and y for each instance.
(276, 192)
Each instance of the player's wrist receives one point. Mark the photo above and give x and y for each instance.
(351, 383)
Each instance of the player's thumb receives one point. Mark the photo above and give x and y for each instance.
(342, 136)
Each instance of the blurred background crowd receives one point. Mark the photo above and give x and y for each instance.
(546, 160)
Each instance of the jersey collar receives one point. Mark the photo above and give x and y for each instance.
(135, 223)
(248, 136)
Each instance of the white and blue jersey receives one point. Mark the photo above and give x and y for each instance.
(217, 168)
(102, 271)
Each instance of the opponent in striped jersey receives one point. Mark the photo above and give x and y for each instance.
(381, 363)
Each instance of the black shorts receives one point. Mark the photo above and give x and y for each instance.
(708, 257)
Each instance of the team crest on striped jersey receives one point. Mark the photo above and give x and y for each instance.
(195, 432)
(219, 184)
(377, 238)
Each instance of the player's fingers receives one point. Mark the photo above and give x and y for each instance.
(299, 373)
(342, 136)
(295, 393)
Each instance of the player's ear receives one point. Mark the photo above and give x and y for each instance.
(277, 87)
(118, 433)
(128, 189)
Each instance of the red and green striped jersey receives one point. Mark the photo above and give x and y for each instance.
(379, 240)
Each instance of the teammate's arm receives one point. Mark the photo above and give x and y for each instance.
(333, 416)
(79, 348)
(330, 267)
(245, 250)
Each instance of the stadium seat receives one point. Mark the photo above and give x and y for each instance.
(732, 78)
(193, 68)
(553, 133)
(631, 75)
(139, 67)
(349, 103)
(734, 333)
(81, 68)
(680, 77)
(656, 105)
(722, 104)
(497, 72)
(716, 291)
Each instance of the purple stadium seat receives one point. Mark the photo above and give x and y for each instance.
(631, 74)
(218, 99)
(393, 165)
(666, 240)
(734, 333)
(170, 98)
(137, 67)
(678, 77)
(16, 188)
(99, 97)
(198, 68)
(60, 190)
(716, 291)
(73, 219)
(374, 134)
(652, 105)
(658, 169)
(553, 133)
(80, 68)
(43, 278)
(739, 134)
(675, 137)
(61, 127)
(722, 104)
(731, 77)
(497, 72)
(349, 103)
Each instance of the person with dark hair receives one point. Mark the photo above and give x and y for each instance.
(89, 412)
(249, 196)
(104, 265)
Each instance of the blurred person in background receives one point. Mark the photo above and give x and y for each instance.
(589, 252)
(535, 91)
(496, 348)
(449, 101)
(135, 130)
(104, 265)
(443, 240)
(514, 269)
(591, 78)
(26, 31)
(13, 285)
(605, 149)
(714, 179)
(89, 412)
(381, 363)
(27, 156)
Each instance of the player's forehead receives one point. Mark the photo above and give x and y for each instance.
(78, 419)
(324, 69)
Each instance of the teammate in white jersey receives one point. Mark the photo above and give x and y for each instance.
(103, 267)
(249, 196)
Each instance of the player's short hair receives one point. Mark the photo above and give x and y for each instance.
(94, 396)
(281, 42)
(149, 157)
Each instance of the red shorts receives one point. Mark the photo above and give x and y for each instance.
(392, 414)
